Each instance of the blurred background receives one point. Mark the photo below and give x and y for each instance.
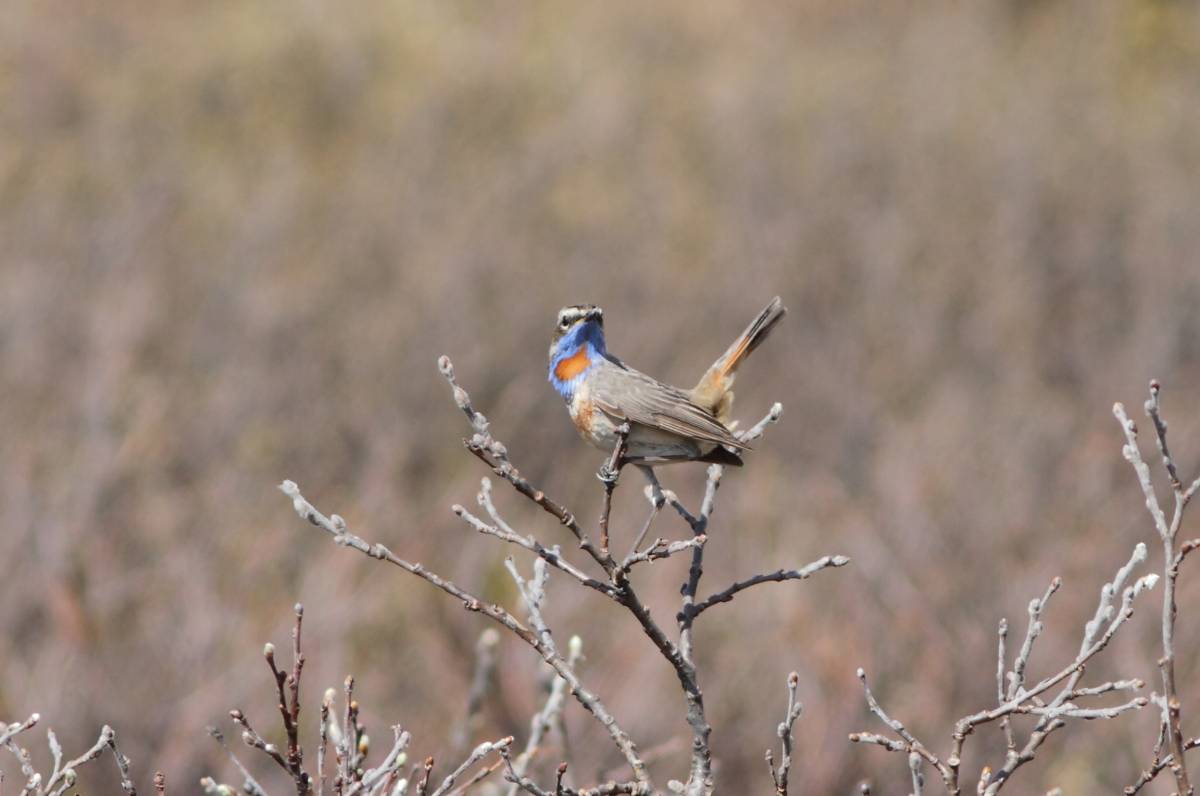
(235, 237)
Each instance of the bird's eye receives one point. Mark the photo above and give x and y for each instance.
(564, 323)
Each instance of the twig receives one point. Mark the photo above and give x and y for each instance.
(336, 527)
(493, 453)
(63, 776)
(122, 763)
(545, 718)
(1172, 558)
(551, 554)
(910, 743)
(803, 573)
(379, 778)
(288, 685)
(918, 779)
(1149, 774)
(250, 784)
(481, 681)
(252, 739)
(323, 738)
(784, 731)
(529, 786)
(480, 752)
(1018, 699)
(700, 776)
(427, 772)
(9, 731)
(660, 549)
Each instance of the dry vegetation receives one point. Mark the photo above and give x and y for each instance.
(235, 238)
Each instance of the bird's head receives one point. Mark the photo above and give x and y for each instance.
(578, 343)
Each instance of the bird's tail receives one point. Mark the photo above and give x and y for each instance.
(714, 391)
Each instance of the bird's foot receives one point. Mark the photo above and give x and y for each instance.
(608, 474)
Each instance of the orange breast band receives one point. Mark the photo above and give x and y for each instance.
(573, 365)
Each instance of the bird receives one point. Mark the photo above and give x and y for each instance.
(662, 424)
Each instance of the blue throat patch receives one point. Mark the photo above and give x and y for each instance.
(585, 340)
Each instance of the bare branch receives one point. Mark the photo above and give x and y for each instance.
(659, 549)
(552, 554)
(1167, 762)
(803, 573)
(336, 527)
(784, 731)
(250, 784)
(380, 778)
(911, 744)
(494, 454)
(1172, 558)
(1018, 699)
(544, 719)
(63, 776)
(481, 681)
(480, 752)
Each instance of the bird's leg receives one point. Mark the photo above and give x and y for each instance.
(610, 471)
(657, 495)
(657, 499)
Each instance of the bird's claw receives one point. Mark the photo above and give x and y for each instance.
(607, 474)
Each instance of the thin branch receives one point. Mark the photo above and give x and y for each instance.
(551, 554)
(323, 738)
(1172, 558)
(480, 752)
(67, 772)
(380, 778)
(481, 682)
(911, 744)
(288, 687)
(1134, 457)
(803, 573)
(1148, 775)
(784, 731)
(701, 770)
(545, 718)
(659, 549)
(1018, 699)
(529, 786)
(495, 455)
(336, 527)
(918, 779)
(249, 783)
(427, 772)
(10, 731)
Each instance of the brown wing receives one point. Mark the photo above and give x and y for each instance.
(624, 393)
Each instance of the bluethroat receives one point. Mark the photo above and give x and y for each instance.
(666, 424)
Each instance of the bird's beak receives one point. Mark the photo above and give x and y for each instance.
(594, 314)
